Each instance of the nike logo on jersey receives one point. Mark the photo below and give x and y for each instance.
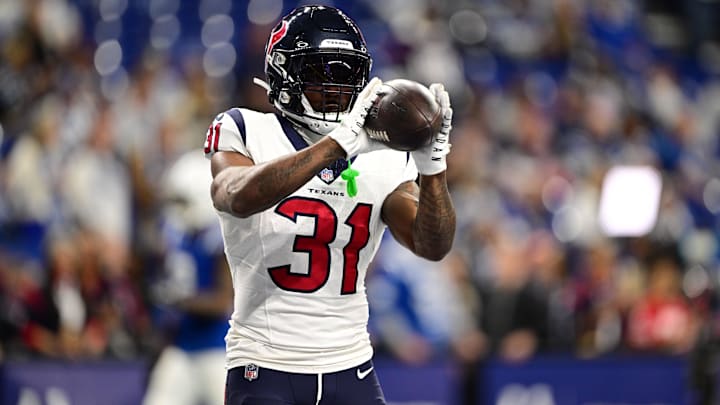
(362, 374)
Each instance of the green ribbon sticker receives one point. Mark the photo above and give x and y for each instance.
(349, 175)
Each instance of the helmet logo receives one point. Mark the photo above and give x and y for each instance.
(277, 35)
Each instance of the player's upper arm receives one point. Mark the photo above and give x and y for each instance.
(222, 160)
(226, 147)
(399, 211)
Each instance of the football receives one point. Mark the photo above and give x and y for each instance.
(405, 115)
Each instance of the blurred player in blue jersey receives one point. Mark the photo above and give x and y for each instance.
(304, 197)
(195, 291)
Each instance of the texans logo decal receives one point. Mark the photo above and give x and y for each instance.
(277, 35)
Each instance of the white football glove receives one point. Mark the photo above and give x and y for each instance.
(431, 159)
(350, 134)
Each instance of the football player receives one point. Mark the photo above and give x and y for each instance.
(192, 294)
(304, 197)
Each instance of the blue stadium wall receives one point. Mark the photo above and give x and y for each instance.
(544, 380)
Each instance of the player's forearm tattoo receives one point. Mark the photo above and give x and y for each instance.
(435, 222)
(282, 177)
(264, 185)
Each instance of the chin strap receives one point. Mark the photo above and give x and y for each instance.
(302, 126)
(262, 83)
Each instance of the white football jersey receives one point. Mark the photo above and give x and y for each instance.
(298, 268)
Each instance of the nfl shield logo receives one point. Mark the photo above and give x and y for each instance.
(327, 175)
(251, 372)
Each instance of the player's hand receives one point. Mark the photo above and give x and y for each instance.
(432, 158)
(350, 134)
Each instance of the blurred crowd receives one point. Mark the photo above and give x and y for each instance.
(104, 107)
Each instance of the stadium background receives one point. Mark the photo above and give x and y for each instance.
(539, 303)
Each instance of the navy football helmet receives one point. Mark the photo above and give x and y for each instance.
(316, 63)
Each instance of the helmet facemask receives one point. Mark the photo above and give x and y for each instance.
(319, 86)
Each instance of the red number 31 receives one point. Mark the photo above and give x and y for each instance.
(213, 138)
(317, 245)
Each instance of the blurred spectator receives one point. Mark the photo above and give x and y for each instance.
(36, 155)
(97, 194)
(550, 284)
(63, 320)
(418, 308)
(513, 315)
(599, 305)
(32, 206)
(662, 319)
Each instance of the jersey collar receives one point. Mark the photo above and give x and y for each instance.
(328, 174)
(291, 133)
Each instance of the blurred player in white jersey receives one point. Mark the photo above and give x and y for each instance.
(300, 227)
